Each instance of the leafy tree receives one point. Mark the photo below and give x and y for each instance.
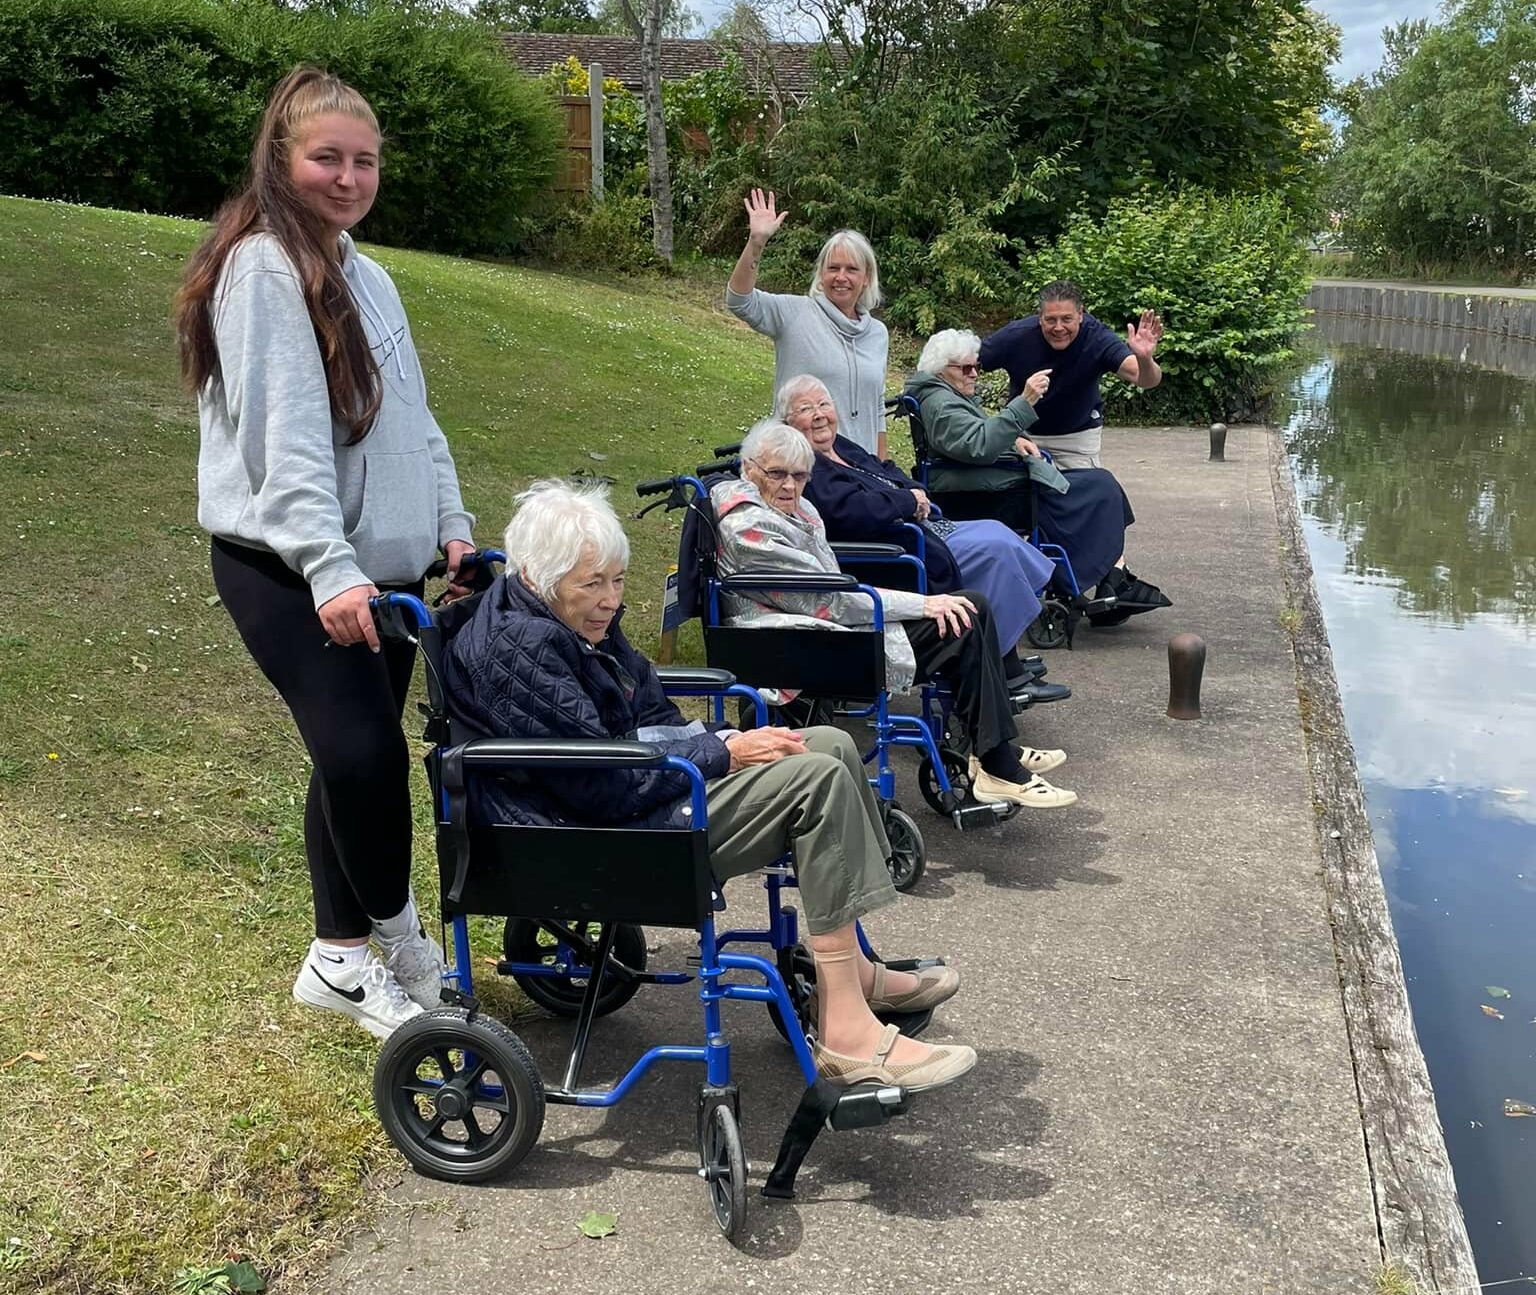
(536, 15)
(675, 20)
(1438, 158)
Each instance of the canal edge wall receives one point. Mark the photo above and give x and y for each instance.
(1418, 1212)
(1506, 313)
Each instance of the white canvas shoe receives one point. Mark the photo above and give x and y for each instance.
(364, 990)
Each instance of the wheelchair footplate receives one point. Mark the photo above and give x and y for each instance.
(826, 1105)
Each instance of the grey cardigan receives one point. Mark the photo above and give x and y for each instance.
(812, 336)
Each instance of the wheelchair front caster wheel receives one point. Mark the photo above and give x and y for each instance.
(459, 1095)
(908, 855)
(1051, 628)
(526, 941)
(723, 1167)
(956, 769)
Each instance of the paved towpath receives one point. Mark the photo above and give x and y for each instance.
(1164, 1103)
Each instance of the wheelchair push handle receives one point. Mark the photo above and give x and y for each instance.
(482, 558)
(657, 487)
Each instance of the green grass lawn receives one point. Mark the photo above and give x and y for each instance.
(167, 1104)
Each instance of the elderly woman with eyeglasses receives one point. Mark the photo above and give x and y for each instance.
(828, 332)
(861, 498)
(1084, 510)
(542, 654)
(764, 523)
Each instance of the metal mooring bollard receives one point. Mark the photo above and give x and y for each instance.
(1186, 664)
(1218, 442)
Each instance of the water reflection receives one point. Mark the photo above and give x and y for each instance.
(1417, 480)
(1425, 470)
(1514, 355)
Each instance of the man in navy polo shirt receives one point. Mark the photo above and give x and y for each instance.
(1073, 350)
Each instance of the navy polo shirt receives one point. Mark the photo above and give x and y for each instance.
(1073, 403)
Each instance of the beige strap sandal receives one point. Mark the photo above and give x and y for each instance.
(943, 1065)
(1034, 794)
(934, 986)
(1033, 760)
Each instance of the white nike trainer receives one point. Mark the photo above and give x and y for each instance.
(364, 990)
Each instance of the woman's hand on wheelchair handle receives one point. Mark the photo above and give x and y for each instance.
(762, 746)
(952, 612)
(924, 505)
(347, 618)
(456, 551)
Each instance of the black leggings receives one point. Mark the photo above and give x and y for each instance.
(347, 703)
(969, 662)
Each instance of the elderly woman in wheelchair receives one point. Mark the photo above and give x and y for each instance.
(544, 656)
(1084, 510)
(765, 524)
(861, 498)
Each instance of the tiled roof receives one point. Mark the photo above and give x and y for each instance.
(788, 67)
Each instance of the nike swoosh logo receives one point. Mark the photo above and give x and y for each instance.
(352, 995)
(328, 958)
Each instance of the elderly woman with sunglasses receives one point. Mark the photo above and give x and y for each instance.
(542, 654)
(1084, 510)
(765, 524)
(860, 498)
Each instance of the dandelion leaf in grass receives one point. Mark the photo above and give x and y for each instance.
(243, 1277)
(1496, 991)
(596, 1225)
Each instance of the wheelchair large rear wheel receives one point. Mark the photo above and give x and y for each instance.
(723, 1167)
(524, 940)
(459, 1095)
(1050, 629)
(908, 855)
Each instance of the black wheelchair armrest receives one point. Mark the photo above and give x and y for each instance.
(692, 676)
(867, 549)
(567, 753)
(821, 581)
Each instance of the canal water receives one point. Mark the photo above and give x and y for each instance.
(1416, 471)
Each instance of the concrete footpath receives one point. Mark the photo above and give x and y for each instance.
(1165, 1101)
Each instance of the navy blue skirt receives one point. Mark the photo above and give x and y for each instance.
(1088, 521)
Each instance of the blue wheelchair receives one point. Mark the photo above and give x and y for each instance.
(827, 669)
(457, 1091)
(1063, 604)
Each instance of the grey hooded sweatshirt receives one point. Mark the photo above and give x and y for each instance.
(274, 472)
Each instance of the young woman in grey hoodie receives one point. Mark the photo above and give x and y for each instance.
(323, 478)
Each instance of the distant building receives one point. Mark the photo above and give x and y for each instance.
(781, 71)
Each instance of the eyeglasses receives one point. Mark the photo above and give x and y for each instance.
(780, 475)
(820, 407)
(969, 370)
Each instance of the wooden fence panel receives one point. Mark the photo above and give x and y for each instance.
(573, 171)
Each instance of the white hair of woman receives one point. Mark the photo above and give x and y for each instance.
(771, 439)
(948, 346)
(558, 524)
(800, 387)
(863, 253)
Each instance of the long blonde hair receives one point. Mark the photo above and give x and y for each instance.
(268, 202)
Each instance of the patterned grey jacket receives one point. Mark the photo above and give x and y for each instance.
(755, 536)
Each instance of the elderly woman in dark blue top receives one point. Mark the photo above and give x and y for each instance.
(541, 654)
(861, 498)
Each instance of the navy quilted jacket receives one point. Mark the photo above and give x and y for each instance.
(513, 669)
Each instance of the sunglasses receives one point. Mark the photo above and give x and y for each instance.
(969, 370)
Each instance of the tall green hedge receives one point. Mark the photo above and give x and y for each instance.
(152, 103)
(1226, 272)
